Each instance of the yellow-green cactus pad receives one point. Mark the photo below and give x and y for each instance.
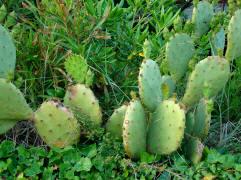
(234, 37)
(179, 51)
(208, 78)
(166, 128)
(150, 84)
(7, 53)
(56, 125)
(115, 123)
(202, 15)
(82, 101)
(134, 130)
(13, 104)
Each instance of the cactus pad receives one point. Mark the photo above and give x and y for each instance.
(7, 53)
(166, 128)
(134, 130)
(190, 121)
(150, 84)
(115, 123)
(208, 78)
(56, 124)
(82, 101)
(194, 149)
(179, 51)
(218, 42)
(13, 105)
(234, 37)
(6, 125)
(202, 119)
(168, 86)
(202, 15)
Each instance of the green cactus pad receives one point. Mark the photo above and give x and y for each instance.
(218, 42)
(150, 84)
(14, 106)
(202, 15)
(7, 53)
(208, 78)
(168, 86)
(6, 125)
(115, 123)
(202, 119)
(194, 149)
(56, 125)
(82, 101)
(190, 121)
(166, 128)
(234, 37)
(179, 51)
(134, 130)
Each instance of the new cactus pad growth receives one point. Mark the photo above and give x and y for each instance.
(179, 51)
(7, 53)
(202, 15)
(134, 130)
(13, 105)
(234, 37)
(115, 123)
(208, 78)
(56, 125)
(82, 101)
(150, 84)
(166, 128)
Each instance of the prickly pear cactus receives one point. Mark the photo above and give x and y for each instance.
(179, 51)
(194, 149)
(115, 123)
(13, 105)
(7, 53)
(82, 101)
(166, 128)
(208, 78)
(234, 37)
(202, 15)
(56, 125)
(134, 130)
(202, 119)
(168, 86)
(150, 84)
(6, 125)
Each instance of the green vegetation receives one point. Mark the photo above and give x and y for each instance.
(126, 89)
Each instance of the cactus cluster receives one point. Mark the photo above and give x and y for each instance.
(173, 121)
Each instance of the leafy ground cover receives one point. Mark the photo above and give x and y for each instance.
(109, 35)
